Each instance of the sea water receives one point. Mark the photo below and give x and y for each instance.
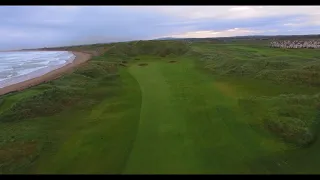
(19, 66)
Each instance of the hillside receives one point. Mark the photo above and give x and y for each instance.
(169, 107)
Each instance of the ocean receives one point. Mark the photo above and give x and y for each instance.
(20, 66)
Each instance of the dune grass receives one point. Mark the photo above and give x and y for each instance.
(46, 128)
(254, 63)
(53, 126)
(297, 66)
(211, 111)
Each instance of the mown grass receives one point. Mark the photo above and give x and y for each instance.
(189, 126)
(192, 122)
(114, 116)
(84, 119)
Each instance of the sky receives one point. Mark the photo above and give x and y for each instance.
(48, 26)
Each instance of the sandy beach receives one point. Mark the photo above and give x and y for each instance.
(80, 58)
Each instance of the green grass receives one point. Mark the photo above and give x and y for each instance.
(99, 139)
(296, 66)
(249, 65)
(190, 125)
(68, 121)
(200, 114)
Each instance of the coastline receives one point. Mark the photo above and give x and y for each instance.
(80, 58)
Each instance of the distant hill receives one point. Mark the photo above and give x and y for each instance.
(249, 37)
(166, 38)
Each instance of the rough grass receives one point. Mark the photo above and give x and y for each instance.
(291, 122)
(96, 103)
(110, 116)
(39, 116)
(63, 93)
(298, 66)
(45, 103)
(194, 122)
(290, 117)
(155, 48)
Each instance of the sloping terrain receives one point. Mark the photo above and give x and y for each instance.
(132, 110)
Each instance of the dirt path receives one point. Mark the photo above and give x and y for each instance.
(80, 58)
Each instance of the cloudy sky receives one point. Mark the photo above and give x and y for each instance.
(39, 26)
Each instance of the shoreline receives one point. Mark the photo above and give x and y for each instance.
(80, 58)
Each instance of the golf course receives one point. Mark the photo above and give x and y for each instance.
(169, 107)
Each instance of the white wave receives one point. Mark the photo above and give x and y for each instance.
(20, 66)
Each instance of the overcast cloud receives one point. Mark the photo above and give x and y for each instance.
(40, 26)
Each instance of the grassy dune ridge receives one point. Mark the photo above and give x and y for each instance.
(40, 115)
(298, 66)
(36, 114)
(113, 115)
(285, 116)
